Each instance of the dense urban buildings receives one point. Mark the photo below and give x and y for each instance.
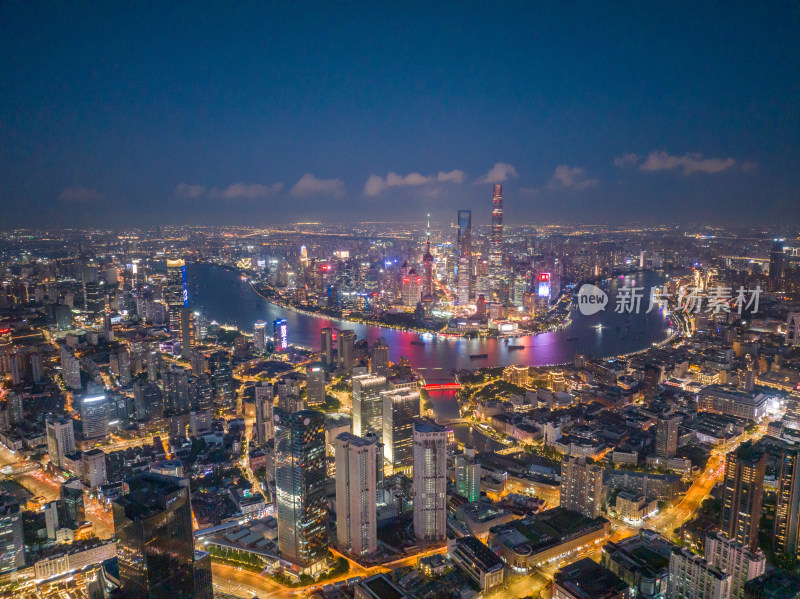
(293, 452)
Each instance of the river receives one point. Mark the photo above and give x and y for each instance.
(220, 294)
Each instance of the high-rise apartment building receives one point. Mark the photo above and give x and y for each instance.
(356, 513)
(315, 385)
(582, 487)
(667, 437)
(94, 410)
(300, 474)
(734, 559)
(380, 357)
(468, 476)
(786, 531)
(70, 369)
(93, 468)
(326, 346)
(177, 399)
(260, 336)
(264, 410)
(400, 411)
(692, 577)
(346, 346)
(743, 489)
(155, 544)
(368, 404)
(60, 439)
(430, 481)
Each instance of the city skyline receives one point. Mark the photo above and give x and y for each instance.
(412, 300)
(679, 112)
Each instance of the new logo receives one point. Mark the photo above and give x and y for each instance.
(591, 299)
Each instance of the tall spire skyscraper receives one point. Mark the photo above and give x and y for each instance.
(427, 259)
(496, 247)
(464, 264)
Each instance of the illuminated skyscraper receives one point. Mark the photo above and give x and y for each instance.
(411, 289)
(742, 494)
(427, 259)
(356, 520)
(786, 531)
(177, 298)
(582, 487)
(94, 414)
(430, 481)
(777, 260)
(264, 409)
(326, 343)
(368, 404)
(464, 260)
(260, 336)
(468, 475)
(300, 474)
(315, 385)
(400, 411)
(667, 437)
(380, 357)
(12, 547)
(155, 545)
(60, 439)
(346, 347)
(496, 247)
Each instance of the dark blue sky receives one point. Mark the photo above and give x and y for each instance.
(115, 113)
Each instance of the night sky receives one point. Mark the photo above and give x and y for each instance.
(144, 113)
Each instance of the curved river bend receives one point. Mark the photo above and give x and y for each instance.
(220, 294)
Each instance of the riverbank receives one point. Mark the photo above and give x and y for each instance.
(225, 296)
(377, 323)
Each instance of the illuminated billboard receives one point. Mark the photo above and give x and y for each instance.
(185, 286)
(543, 285)
(280, 334)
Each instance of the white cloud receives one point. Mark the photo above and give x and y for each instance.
(500, 172)
(626, 160)
(80, 194)
(688, 163)
(246, 191)
(455, 176)
(376, 184)
(310, 185)
(565, 177)
(184, 190)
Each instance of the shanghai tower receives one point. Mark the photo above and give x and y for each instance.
(496, 247)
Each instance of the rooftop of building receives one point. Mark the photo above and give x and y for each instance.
(776, 584)
(355, 440)
(586, 579)
(481, 512)
(380, 586)
(485, 557)
(733, 393)
(547, 528)
(648, 551)
(424, 426)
